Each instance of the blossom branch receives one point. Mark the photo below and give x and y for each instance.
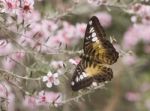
(20, 88)
(7, 74)
(67, 12)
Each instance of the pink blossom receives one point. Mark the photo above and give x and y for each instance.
(51, 79)
(74, 61)
(53, 42)
(29, 18)
(141, 11)
(35, 37)
(30, 102)
(7, 95)
(129, 59)
(15, 6)
(27, 6)
(11, 102)
(134, 19)
(147, 104)
(10, 6)
(132, 96)
(130, 38)
(66, 35)
(68, 31)
(145, 87)
(45, 35)
(80, 29)
(57, 64)
(18, 56)
(147, 48)
(96, 2)
(135, 34)
(104, 18)
(50, 25)
(47, 98)
(8, 63)
(5, 47)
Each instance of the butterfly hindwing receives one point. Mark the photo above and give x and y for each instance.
(105, 74)
(80, 79)
(87, 71)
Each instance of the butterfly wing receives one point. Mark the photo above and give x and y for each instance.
(97, 52)
(96, 46)
(80, 79)
(88, 71)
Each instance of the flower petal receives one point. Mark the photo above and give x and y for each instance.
(49, 74)
(45, 78)
(56, 82)
(55, 75)
(49, 84)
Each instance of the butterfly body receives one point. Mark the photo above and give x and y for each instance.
(97, 55)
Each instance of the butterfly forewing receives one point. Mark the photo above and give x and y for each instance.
(96, 46)
(93, 32)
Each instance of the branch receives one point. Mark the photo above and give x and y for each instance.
(83, 94)
(7, 74)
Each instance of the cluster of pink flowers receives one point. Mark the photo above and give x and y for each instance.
(139, 31)
(129, 59)
(105, 18)
(44, 98)
(74, 61)
(132, 96)
(11, 57)
(51, 79)
(135, 34)
(17, 6)
(11, 61)
(140, 13)
(45, 35)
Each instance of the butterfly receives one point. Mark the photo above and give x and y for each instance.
(98, 54)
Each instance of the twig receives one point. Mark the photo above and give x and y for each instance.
(20, 88)
(82, 94)
(67, 12)
(4, 72)
(114, 5)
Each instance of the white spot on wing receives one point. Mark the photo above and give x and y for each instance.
(93, 34)
(106, 82)
(81, 77)
(72, 83)
(94, 84)
(94, 39)
(90, 22)
(77, 79)
(84, 74)
(88, 37)
(91, 29)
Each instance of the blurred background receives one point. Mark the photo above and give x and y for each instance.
(40, 44)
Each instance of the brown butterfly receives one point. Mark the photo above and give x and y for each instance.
(98, 54)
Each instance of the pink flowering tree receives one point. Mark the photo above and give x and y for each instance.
(40, 46)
